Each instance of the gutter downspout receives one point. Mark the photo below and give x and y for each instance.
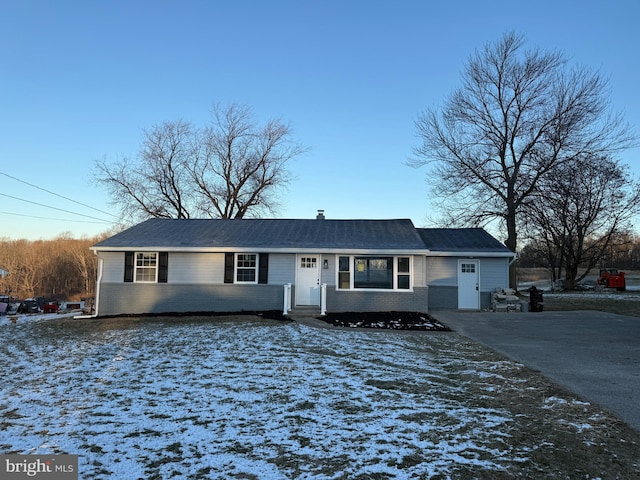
(98, 282)
(515, 257)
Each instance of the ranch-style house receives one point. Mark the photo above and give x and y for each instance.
(319, 265)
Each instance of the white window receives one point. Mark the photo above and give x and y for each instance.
(246, 268)
(308, 262)
(146, 268)
(468, 267)
(403, 273)
(374, 272)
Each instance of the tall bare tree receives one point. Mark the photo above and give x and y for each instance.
(581, 212)
(228, 169)
(239, 167)
(156, 183)
(518, 114)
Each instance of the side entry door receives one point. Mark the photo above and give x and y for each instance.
(468, 284)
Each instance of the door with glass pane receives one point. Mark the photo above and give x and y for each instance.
(308, 280)
(468, 284)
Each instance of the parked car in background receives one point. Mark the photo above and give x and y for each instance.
(50, 307)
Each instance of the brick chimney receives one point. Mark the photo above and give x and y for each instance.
(320, 215)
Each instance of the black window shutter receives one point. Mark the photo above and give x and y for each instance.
(228, 267)
(163, 267)
(263, 268)
(128, 266)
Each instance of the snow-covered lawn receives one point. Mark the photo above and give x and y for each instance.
(254, 398)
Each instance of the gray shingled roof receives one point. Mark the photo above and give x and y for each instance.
(297, 234)
(461, 240)
(263, 234)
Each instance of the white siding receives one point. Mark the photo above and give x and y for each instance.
(197, 268)
(441, 271)
(183, 267)
(208, 268)
(494, 273)
(282, 268)
(419, 271)
(112, 266)
(328, 275)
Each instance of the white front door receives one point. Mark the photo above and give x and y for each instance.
(308, 280)
(469, 284)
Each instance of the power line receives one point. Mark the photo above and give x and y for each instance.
(58, 195)
(55, 208)
(56, 219)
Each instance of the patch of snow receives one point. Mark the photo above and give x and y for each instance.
(35, 317)
(551, 402)
(608, 294)
(580, 427)
(265, 399)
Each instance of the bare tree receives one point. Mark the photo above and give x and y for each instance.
(239, 167)
(61, 269)
(81, 260)
(516, 117)
(581, 212)
(624, 254)
(229, 169)
(26, 277)
(11, 252)
(157, 183)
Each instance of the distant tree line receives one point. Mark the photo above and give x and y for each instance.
(62, 269)
(622, 252)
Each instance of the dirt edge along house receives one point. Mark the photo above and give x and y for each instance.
(318, 265)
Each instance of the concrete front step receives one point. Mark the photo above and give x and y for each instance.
(304, 312)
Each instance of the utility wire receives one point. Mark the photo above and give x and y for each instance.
(58, 195)
(55, 208)
(56, 219)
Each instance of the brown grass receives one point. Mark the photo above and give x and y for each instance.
(622, 303)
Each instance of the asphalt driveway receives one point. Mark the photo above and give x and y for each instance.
(594, 354)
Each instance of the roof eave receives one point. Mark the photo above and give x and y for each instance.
(435, 253)
(346, 251)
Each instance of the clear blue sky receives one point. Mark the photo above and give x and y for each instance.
(79, 80)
